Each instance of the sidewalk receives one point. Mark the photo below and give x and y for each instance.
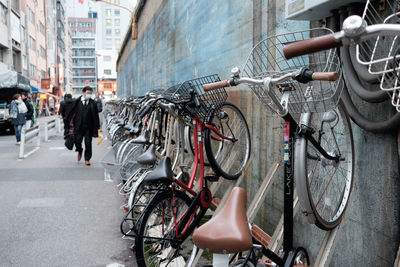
(56, 211)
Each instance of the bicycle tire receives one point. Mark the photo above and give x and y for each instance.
(218, 155)
(313, 173)
(158, 216)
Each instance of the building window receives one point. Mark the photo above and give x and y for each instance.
(117, 43)
(41, 27)
(32, 43)
(117, 31)
(25, 63)
(32, 70)
(117, 2)
(42, 74)
(108, 22)
(117, 22)
(107, 58)
(1, 54)
(108, 32)
(31, 15)
(42, 52)
(3, 14)
(116, 12)
(108, 42)
(107, 72)
(108, 13)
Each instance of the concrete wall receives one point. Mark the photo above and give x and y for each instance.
(180, 40)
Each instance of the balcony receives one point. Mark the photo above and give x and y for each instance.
(83, 66)
(84, 74)
(84, 46)
(83, 56)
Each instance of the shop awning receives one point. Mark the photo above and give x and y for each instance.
(37, 90)
(14, 80)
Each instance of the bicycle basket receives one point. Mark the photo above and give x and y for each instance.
(373, 52)
(207, 100)
(382, 53)
(267, 60)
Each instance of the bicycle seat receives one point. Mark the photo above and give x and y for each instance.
(227, 231)
(142, 139)
(120, 122)
(136, 128)
(148, 157)
(128, 127)
(162, 173)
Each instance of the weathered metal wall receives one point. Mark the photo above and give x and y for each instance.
(181, 40)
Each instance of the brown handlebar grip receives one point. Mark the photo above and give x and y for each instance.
(312, 45)
(216, 85)
(325, 76)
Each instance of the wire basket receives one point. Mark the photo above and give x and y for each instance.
(267, 60)
(207, 100)
(110, 164)
(382, 53)
(375, 51)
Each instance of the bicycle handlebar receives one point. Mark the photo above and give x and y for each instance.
(216, 85)
(325, 76)
(312, 45)
(303, 76)
(354, 29)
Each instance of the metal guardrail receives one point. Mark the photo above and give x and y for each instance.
(48, 125)
(26, 136)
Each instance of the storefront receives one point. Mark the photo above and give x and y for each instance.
(45, 103)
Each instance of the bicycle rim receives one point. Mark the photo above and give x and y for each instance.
(228, 158)
(324, 186)
(158, 222)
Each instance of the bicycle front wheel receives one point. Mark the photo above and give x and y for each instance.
(154, 245)
(324, 185)
(227, 157)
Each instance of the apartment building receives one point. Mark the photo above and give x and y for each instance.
(13, 48)
(111, 26)
(68, 51)
(36, 34)
(84, 67)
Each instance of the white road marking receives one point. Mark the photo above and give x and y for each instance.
(57, 148)
(115, 264)
(40, 202)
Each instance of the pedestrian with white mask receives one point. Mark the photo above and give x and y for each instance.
(84, 123)
(17, 113)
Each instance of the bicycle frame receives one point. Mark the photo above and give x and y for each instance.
(185, 225)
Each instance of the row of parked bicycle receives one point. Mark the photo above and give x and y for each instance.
(159, 141)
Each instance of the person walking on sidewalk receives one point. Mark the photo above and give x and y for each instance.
(29, 113)
(85, 123)
(66, 107)
(17, 113)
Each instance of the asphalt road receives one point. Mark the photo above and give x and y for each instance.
(55, 211)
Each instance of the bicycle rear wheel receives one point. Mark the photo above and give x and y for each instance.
(227, 158)
(323, 185)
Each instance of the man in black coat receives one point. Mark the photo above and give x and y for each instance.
(85, 123)
(29, 113)
(66, 106)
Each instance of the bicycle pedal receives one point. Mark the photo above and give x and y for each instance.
(212, 177)
(215, 201)
(260, 235)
